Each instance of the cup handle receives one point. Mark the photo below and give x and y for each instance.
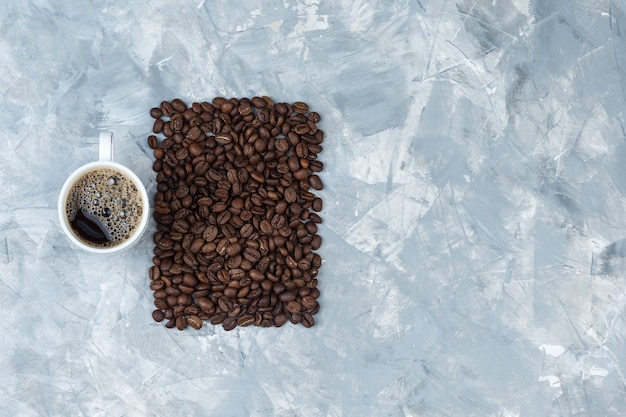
(105, 150)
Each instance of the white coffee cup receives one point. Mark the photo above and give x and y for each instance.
(112, 201)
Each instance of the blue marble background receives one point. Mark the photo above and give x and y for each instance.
(474, 235)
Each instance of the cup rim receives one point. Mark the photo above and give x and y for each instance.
(70, 181)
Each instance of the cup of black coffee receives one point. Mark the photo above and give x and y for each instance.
(103, 205)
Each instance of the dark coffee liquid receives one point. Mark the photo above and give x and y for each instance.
(104, 208)
(90, 228)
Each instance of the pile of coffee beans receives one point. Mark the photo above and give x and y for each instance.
(236, 213)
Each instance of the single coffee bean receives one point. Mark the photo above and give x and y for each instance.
(258, 102)
(178, 105)
(316, 242)
(204, 303)
(294, 307)
(218, 318)
(157, 127)
(308, 302)
(195, 322)
(314, 117)
(251, 254)
(195, 149)
(194, 133)
(167, 108)
(301, 128)
(182, 154)
(177, 122)
(155, 272)
(291, 195)
(308, 320)
(153, 142)
(223, 138)
(178, 311)
(157, 285)
(294, 318)
(225, 304)
(181, 323)
(317, 204)
(156, 113)
(229, 323)
(245, 320)
(300, 107)
(210, 233)
(287, 296)
(158, 315)
(316, 166)
(256, 275)
(316, 182)
(280, 320)
(304, 264)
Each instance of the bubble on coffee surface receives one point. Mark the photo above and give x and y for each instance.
(108, 198)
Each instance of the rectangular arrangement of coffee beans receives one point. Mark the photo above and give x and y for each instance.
(236, 213)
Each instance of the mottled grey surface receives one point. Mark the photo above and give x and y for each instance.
(474, 235)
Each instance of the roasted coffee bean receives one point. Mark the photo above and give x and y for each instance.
(245, 320)
(157, 285)
(225, 303)
(304, 264)
(301, 128)
(314, 117)
(178, 105)
(256, 275)
(158, 315)
(280, 320)
(167, 108)
(181, 323)
(195, 149)
(157, 127)
(223, 138)
(300, 107)
(218, 318)
(308, 302)
(210, 233)
(195, 322)
(294, 318)
(236, 213)
(294, 307)
(153, 142)
(229, 323)
(316, 166)
(317, 204)
(193, 134)
(287, 296)
(204, 303)
(154, 271)
(251, 254)
(180, 226)
(156, 112)
(308, 320)
(315, 218)
(177, 122)
(182, 153)
(316, 182)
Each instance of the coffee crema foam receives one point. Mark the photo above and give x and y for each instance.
(111, 197)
